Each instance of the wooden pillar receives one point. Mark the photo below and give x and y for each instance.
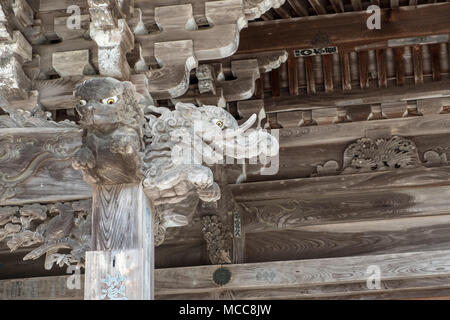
(122, 263)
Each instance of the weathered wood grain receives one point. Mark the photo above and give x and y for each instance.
(292, 75)
(40, 288)
(418, 63)
(414, 275)
(41, 171)
(327, 66)
(347, 29)
(394, 289)
(349, 239)
(355, 98)
(306, 272)
(399, 65)
(346, 79)
(397, 180)
(297, 212)
(333, 133)
(122, 241)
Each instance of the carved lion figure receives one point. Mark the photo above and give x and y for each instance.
(112, 120)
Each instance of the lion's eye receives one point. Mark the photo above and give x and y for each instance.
(110, 100)
(82, 102)
(220, 123)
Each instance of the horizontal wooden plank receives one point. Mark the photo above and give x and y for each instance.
(409, 272)
(346, 29)
(349, 98)
(347, 132)
(305, 272)
(391, 289)
(350, 207)
(355, 183)
(349, 239)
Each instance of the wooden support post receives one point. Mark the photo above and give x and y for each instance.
(122, 261)
(122, 238)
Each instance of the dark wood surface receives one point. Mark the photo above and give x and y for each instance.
(346, 30)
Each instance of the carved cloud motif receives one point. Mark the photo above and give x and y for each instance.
(368, 155)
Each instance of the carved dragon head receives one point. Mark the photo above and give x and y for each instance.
(184, 141)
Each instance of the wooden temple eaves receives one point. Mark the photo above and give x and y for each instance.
(360, 117)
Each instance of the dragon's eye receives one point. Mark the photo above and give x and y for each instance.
(220, 123)
(82, 102)
(110, 100)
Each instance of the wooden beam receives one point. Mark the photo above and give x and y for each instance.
(417, 274)
(348, 132)
(346, 30)
(388, 210)
(306, 272)
(359, 97)
(40, 171)
(348, 239)
(312, 187)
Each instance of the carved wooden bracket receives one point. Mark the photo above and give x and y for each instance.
(14, 51)
(212, 87)
(218, 239)
(174, 69)
(255, 8)
(72, 63)
(113, 37)
(179, 33)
